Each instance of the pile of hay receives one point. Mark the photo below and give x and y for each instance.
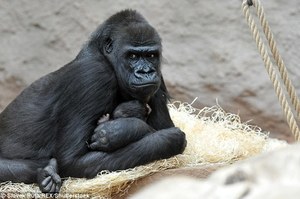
(213, 137)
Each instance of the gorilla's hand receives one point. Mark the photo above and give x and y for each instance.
(112, 135)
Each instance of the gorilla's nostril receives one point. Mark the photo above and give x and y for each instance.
(145, 71)
(142, 72)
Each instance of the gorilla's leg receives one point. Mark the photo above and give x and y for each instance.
(48, 179)
(20, 170)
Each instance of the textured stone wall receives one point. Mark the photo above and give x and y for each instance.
(208, 49)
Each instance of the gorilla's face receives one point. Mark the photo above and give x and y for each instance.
(135, 55)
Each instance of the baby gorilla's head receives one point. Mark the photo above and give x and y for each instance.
(132, 109)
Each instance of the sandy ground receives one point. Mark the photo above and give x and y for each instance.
(208, 49)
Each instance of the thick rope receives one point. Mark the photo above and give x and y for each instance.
(269, 66)
(281, 67)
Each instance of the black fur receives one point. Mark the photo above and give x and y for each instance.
(57, 114)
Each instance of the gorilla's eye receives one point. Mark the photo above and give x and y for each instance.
(132, 56)
(151, 55)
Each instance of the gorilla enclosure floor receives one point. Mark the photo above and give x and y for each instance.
(214, 139)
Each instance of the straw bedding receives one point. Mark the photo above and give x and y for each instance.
(213, 137)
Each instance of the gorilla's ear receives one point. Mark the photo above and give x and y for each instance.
(108, 46)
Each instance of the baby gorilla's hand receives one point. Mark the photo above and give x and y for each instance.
(102, 119)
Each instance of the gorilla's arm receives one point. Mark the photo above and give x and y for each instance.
(159, 117)
(151, 147)
(115, 134)
(112, 135)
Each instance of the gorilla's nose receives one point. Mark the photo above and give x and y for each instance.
(145, 72)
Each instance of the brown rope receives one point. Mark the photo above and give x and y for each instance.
(287, 84)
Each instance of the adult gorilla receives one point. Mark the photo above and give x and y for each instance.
(56, 115)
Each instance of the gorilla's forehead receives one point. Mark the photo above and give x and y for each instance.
(141, 33)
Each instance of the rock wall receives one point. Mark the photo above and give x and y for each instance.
(254, 178)
(208, 49)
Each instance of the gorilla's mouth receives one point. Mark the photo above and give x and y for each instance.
(145, 85)
(143, 91)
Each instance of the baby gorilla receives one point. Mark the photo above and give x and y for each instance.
(104, 137)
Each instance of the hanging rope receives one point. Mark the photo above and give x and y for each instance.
(287, 84)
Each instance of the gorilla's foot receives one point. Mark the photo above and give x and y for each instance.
(48, 179)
